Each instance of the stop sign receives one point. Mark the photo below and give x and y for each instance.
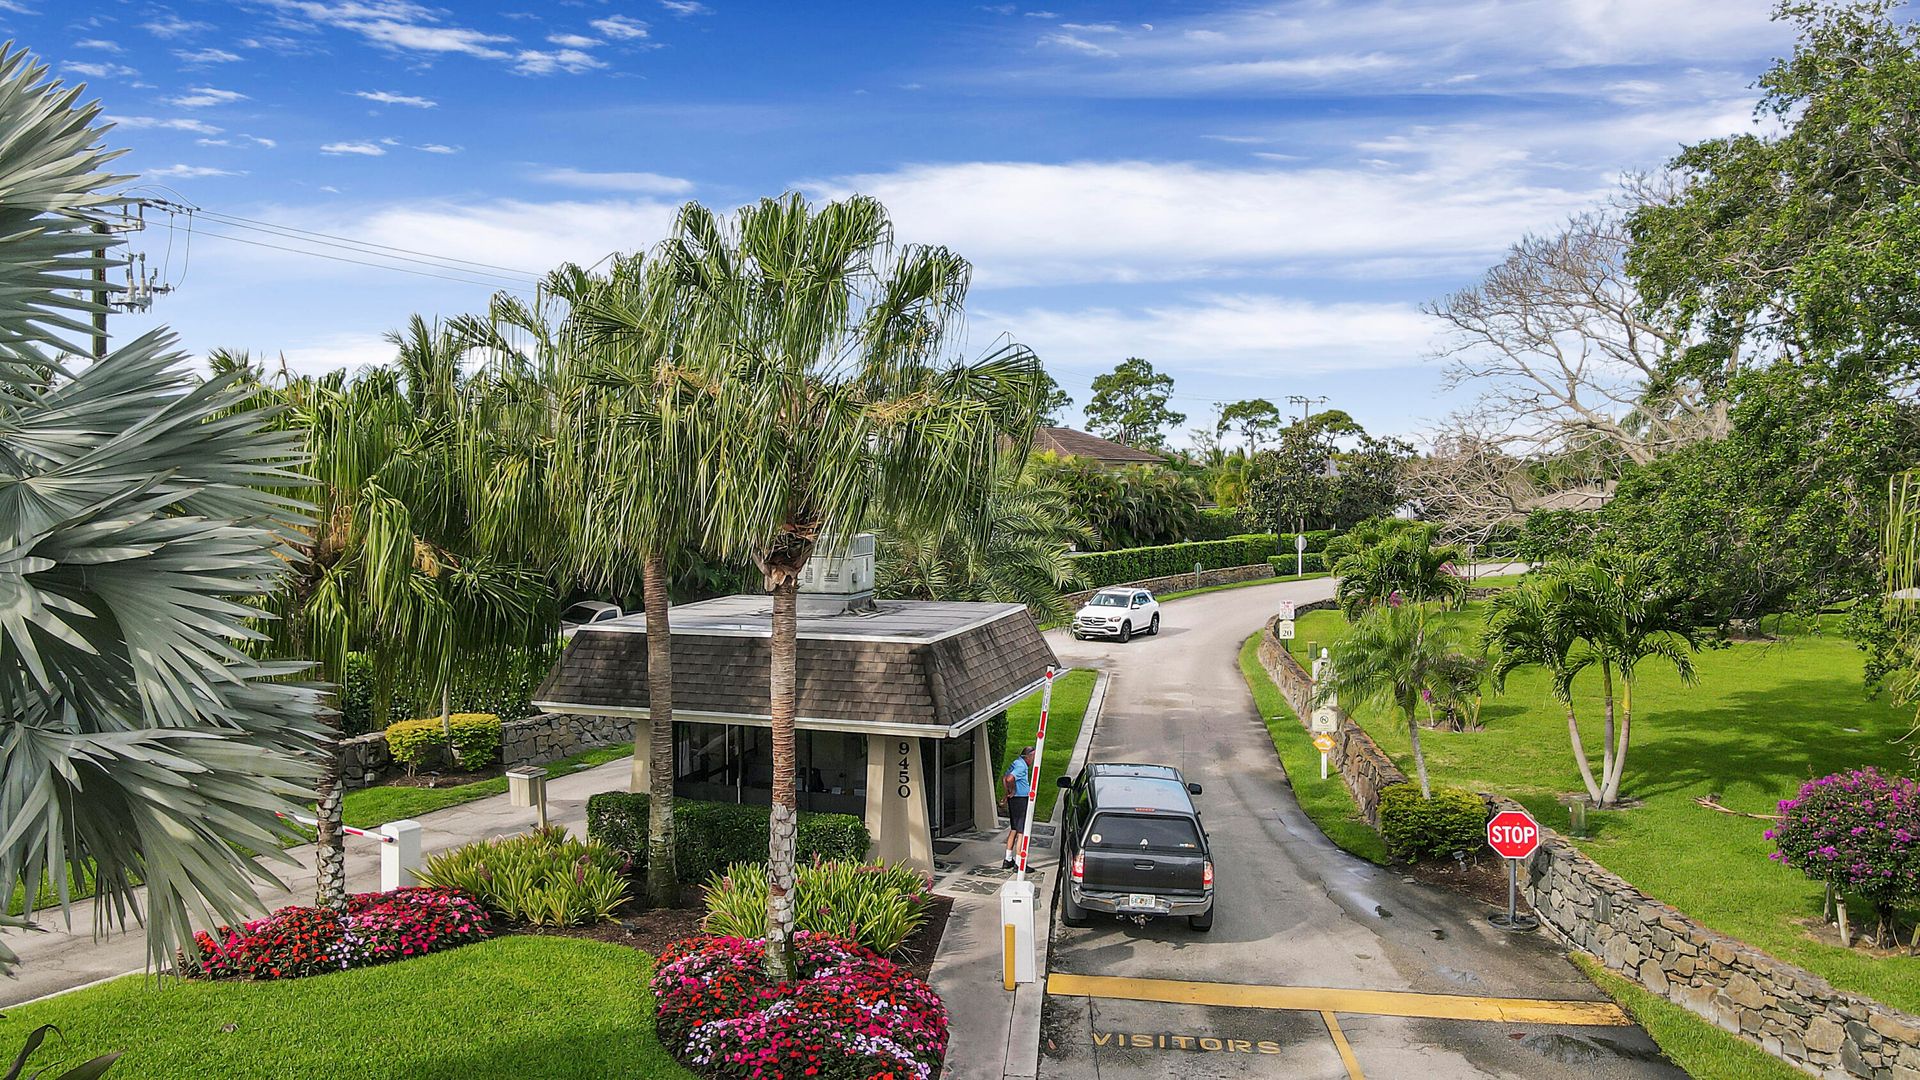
(1513, 834)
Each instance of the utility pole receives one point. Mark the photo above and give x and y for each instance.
(100, 293)
(1300, 523)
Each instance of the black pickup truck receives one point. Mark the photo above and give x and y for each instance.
(1135, 846)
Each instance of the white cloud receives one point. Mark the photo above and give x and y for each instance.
(173, 26)
(438, 148)
(1077, 44)
(331, 353)
(388, 97)
(261, 141)
(206, 56)
(100, 71)
(213, 142)
(189, 172)
(101, 44)
(686, 7)
(363, 149)
(1229, 334)
(573, 41)
(571, 61)
(200, 127)
(621, 28)
(200, 97)
(644, 183)
(398, 24)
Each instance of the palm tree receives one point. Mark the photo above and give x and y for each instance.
(631, 477)
(138, 521)
(1393, 653)
(1622, 615)
(1527, 627)
(1407, 563)
(1029, 524)
(826, 345)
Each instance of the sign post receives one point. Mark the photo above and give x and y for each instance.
(1019, 955)
(1513, 835)
(1300, 554)
(1324, 743)
(1286, 610)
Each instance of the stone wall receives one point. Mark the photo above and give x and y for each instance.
(1230, 575)
(1364, 767)
(535, 740)
(1791, 1013)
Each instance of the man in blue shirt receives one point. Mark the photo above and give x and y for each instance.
(1018, 785)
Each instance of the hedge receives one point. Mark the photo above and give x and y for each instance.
(1101, 568)
(1311, 563)
(1416, 828)
(1216, 523)
(475, 739)
(1316, 540)
(708, 837)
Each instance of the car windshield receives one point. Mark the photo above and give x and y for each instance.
(580, 613)
(1109, 599)
(1140, 832)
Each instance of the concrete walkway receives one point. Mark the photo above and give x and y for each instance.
(68, 956)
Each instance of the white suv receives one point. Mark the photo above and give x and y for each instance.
(1118, 613)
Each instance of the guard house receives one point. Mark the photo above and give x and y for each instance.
(894, 699)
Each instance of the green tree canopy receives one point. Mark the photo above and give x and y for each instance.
(1129, 405)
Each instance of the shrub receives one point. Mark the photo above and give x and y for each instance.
(1216, 523)
(1311, 563)
(376, 927)
(876, 906)
(502, 684)
(848, 1014)
(709, 837)
(545, 877)
(1416, 828)
(1101, 568)
(1858, 832)
(475, 740)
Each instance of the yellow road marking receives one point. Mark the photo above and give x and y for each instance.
(1334, 999)
(1346, 1049)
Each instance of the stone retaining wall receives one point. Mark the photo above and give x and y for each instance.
(1791, 1013)
(535, 740)
(1364, 767)
(1229, 575)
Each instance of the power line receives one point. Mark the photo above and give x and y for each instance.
(522, 288)
(369, 250)
(243, 222)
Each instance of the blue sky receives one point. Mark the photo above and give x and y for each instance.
(1254, 196)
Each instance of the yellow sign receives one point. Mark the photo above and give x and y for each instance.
(1324, 743)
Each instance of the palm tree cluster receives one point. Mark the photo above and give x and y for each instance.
(1405, 565)
(1136, 506)
(143, 515)
(1608, 613)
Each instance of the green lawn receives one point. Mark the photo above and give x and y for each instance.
(1703, 1050)
(1764, 718)
(367, 808)
(1327, 802)
(523, 1007)
(1071, 692)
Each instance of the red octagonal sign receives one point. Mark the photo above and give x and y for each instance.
(1513, 834)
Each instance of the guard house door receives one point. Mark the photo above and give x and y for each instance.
(948, 765)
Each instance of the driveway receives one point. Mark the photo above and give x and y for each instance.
(1301, 925)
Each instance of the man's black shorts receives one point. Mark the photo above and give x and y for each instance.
(1016, 811)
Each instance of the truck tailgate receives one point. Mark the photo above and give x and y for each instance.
(1140, 853)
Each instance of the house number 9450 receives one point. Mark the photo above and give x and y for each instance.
(905, 790)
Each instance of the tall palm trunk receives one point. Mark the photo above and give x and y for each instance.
(1419, 755)
(330, 839)
(783, 820)
(1580, 754)
(1606, 750)
(663, 878)
(1618, 766)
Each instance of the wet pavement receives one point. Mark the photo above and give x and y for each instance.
(1292, 909)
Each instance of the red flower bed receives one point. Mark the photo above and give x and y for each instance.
(849, 1015)
(376, 927)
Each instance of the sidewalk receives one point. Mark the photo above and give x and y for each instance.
(993, 1034)
(68, 956)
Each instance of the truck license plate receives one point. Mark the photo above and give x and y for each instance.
(1142, 900)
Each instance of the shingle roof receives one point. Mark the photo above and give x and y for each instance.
(1068, 442)
(912, 664)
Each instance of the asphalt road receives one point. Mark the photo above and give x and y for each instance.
(1292, 909)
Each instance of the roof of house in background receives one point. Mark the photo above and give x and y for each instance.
(1069, 442)
(908, 667)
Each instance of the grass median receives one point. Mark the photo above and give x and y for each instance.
(1071, 694)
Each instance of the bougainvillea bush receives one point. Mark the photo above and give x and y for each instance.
(375, 928)
(1858, 832)
(848, 1015)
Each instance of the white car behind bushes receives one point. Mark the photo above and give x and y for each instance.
(1117, 613)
